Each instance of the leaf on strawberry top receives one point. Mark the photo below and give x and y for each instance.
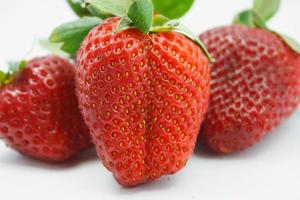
(257, 17)
(133, 13)
(71, 34)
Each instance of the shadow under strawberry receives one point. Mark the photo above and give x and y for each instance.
(83, 158)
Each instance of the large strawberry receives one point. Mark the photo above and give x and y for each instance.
(255, 80)
(143, 90)
(39, 114)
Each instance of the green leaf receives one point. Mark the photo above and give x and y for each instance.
(251, 19)
(162, 24)
(16, 67)
(71, 34)
(292, 43)
(22, 64)
(172, 9)
(123, 24)
(262, 11)
(3, 76)
(258, 21)
(266, 8)
(114, 7)
(175, 26)
(97, 12)
(54, 48)
(159, 20)
(77, 7)
(245, 18)
(141, 14)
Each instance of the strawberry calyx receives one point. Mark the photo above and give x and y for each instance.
(137, 14)
(140, 14)
(68, 36)
(15, 68)
(173, 9)
(163, 24)
(79, 10)
(258, 16)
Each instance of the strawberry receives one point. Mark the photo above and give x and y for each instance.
(142, 85)
(255, 84)
(143, 97)
(39, 114)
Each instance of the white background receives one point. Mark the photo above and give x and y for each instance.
(270, 170)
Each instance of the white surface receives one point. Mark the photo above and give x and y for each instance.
(270, 170)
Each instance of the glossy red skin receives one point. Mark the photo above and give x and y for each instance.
(39, 114)
(254, 87)
(141, 99)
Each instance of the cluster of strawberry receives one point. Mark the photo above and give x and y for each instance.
(144, 85)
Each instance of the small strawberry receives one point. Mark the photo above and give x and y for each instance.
(143, 90)
(255, 81)
(39, 114)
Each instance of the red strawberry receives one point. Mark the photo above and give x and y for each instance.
(39, 113)
(143, 96)
(255, 86)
